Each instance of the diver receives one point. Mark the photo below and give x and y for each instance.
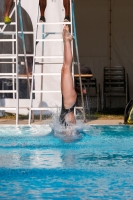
(69, 95)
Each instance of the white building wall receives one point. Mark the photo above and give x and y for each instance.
(54, 13)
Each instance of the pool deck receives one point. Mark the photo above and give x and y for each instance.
(106, 122)
(38, 122)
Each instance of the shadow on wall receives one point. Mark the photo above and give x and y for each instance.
(7, 49)
(46, 112)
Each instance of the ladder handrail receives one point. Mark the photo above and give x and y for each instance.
(23, 43)
(33, 68)
(77, 55)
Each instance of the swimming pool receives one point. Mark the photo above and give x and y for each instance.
(34, 164)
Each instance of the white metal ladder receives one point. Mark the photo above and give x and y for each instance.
(34, 74)
(14, 57)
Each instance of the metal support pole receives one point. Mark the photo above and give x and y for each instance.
(31, 112)
(41, 95)
(77, 55)
(23, 43)
(17, 88)
(13, 60)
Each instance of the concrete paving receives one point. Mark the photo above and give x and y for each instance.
(90, 122)
(22, 122)
(106, 122)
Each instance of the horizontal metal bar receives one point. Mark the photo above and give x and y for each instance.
(24, 108)
(14, 33)
(49, 108)
(6, 108)
(53, 23)
(7, 74)
(8, 91)
(40, 63)
(7, 40)
(37, 57)
(41, 91)
(14, 77)
(52, 33)
(27, 55)
(7, 62)
(49, 40)
(9, 56)
(46, 74)
(26, 32)
(12, 23)
(22, 77)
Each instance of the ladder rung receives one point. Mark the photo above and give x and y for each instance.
(13, 32)
(49, 108)
(7, 74)
(52, 33)
(12, 23)
(27, 55)
(42, 91)
(8, 91)
(51, 63)
(46, 74)
(49, 40)
(7, 40)
(19, 77)
(24, 77)
(53, 23)
(6, 108)
(7, 56)
(7, 62)
(37, 57)
(24, 108)
(25, 32)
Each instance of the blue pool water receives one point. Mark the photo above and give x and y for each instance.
(37, 164)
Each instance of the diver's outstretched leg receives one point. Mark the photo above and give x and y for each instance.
(67, 86)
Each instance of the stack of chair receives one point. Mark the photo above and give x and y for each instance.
(92, 91)
(115, 84)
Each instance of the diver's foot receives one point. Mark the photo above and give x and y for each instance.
(66, 34)
(42, 19)
(7, 20)
(67, 19)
